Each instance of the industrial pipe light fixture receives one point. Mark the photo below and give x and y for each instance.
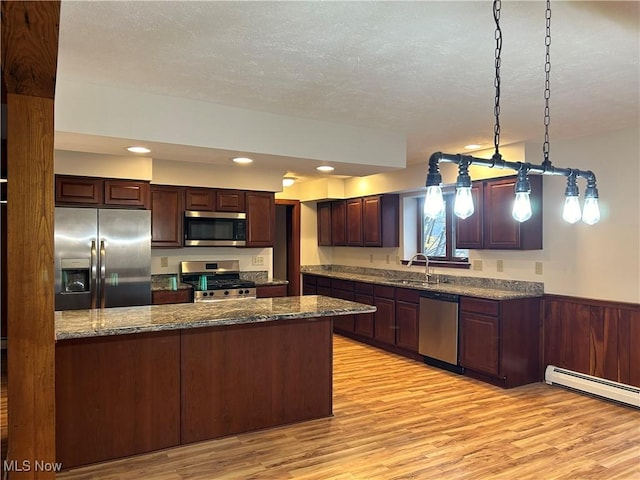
(463, 206)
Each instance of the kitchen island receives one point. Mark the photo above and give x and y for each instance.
(138, 379)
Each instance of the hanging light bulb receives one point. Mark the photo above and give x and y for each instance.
(522, 205)
(591, 211)
(571, 212)
(463, 206)
(433, 201)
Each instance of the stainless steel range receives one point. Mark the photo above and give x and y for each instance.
(216, 280)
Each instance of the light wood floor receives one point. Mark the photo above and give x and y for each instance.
(399, 419)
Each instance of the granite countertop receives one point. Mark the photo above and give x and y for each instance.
(152, 318)
(273, 281)
(449, 287)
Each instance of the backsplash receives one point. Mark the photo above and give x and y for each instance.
(476, 282)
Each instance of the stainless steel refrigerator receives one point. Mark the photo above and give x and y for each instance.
(102, 258)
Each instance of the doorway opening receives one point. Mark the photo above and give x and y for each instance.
(286, 248)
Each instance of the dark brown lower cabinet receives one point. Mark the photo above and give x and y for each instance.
(161, 297)
(269, 291)
(500, 340)
(116, 396)
(241, 378)
(124, 395)
(343, 289)
(407, 318)
(385, 316)
(364, 322)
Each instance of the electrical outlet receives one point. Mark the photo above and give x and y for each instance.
(257, 260)
(164, 261)
(499, 266)
(477, 265)
(538, 268)
(387, 259)
(371, 258)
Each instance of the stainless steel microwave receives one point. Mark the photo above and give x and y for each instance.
(215, 229)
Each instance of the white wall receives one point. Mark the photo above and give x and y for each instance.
(600, 261)
(97, 165)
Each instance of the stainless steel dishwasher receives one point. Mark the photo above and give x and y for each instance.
(438, 330)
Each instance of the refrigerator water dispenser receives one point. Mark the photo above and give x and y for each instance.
(75, 275)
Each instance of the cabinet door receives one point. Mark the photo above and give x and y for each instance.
(407, 323)
(268, 291)
(324, 223)
(130, 193)
(371, 221)
(469, 231)
(364, 321)
(501, 231)
(385, 320)
(354, 222)
(162, 297)
(200, 199)
(309, 285)
(339, 222)
(230, 201)
(79, 190)
(479, 343)
(166, 216)
(261, 219)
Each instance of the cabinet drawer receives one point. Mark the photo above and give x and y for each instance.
(383, 291)
(267, 291)
(364, 288)
(343, 294)
(480, 305)
(324, 282)
(408, 295)
(342, 284)
(160, 297)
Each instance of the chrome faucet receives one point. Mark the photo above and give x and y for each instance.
(427, 275)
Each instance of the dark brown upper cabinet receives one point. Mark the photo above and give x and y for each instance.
(339, 222)
(200, 199)
(324, 223)
(380, 221)
(97, 192)
(167, 211)
(261, 219)
(230, 201)
(492, 226)
(354, 222)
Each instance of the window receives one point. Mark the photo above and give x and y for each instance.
(436, 237)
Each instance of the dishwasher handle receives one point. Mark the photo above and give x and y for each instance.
(442, 296)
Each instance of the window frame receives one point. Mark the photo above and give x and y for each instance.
(449, 261)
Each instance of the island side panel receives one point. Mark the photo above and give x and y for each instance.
(116, 396)
(241, 378)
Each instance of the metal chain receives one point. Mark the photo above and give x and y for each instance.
(496, 109)
(547, 91)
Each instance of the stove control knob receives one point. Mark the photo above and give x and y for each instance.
(226, 292)
(246, 291)
(204, 294)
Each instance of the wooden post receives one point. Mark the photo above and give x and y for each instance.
(29, 60)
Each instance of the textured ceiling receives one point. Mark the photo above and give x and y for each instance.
(421, 68)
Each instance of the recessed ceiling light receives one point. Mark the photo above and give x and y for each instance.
(288, 181)
(472, 146)
(325, 168)
(136, 149)
(242, 160)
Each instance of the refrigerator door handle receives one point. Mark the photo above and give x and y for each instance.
(103, 271)
(94, 275)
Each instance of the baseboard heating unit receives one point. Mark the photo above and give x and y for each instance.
(599, 387)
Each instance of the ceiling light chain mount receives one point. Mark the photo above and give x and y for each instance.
(463, 206)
